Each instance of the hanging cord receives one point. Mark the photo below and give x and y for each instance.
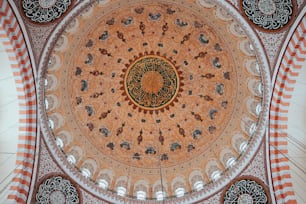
(289, 159)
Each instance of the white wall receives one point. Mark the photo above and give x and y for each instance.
(297, 136)
(9, 117)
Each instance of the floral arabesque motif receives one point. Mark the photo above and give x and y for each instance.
(42, 12)
(268, 14)
(245, 191)
(60, 187)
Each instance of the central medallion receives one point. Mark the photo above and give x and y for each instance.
(151, 82)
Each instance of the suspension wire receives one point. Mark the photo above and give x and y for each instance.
(289, 159)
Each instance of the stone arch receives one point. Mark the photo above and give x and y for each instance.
(287, 70)
(12, 37)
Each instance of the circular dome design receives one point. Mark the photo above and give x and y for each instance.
(246, 191)
(268, 14)
(44, 11)
(57, 190)
(151, 82)
(132, 93)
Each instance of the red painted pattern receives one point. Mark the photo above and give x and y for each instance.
(12, 38)
(287, 73)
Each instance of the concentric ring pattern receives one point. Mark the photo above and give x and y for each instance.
(136, 91)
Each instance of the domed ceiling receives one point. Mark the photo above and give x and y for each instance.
(154, 96)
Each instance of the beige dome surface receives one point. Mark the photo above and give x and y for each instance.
(154, 96)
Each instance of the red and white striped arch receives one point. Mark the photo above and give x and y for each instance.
(292, 59)
(13, 40)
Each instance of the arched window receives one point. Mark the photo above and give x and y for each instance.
(71, 159)
(104, 178)
(242, 146)
(253, 67)
(196, 180)
(255, 87)
(160, 195)
(178, 186)
(141, 195)
(86, 172)
(179, 192)
(252, 129)
(46, 104)
(257, 68)
(51, 124)
(227, 157)
(160, 189)
(213, 170)
(88, 168)
(247, 47)
(55, 121)
(64, 137)
(239, 142)
(121, 191)
(198, 185)
(248, 126)
(51, 82)
(141, 188)
(230, 162)
(59, 142)
(215, 175)
(251, 47)
(254, 106)
(51, 102)
(258, 109)
(102, 183)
